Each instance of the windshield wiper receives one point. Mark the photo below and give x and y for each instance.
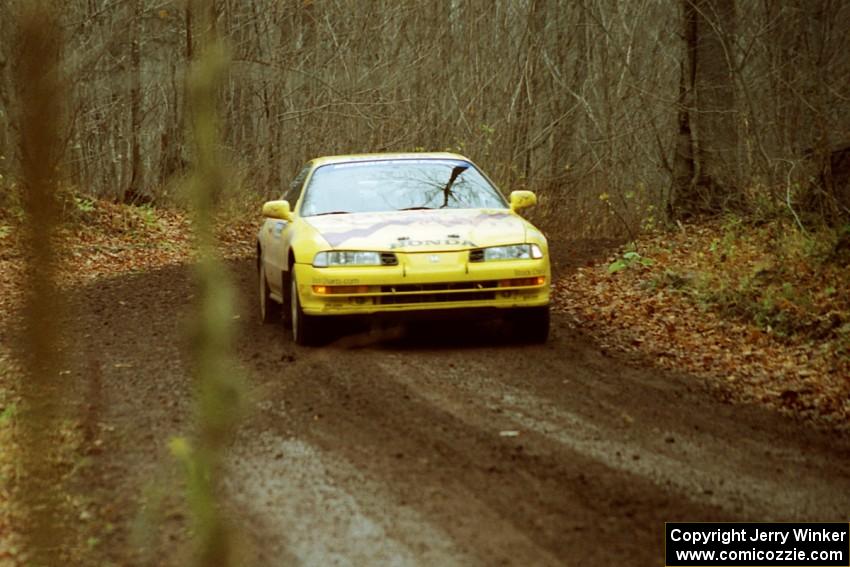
(333, 213)
(417, 209)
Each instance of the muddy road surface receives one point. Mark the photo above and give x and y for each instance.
(447, 446)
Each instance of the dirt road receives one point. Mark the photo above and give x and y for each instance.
(447, 447)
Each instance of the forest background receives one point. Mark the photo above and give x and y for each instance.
(619, 113)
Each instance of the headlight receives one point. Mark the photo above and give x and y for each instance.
(512, 252)
(351, 258)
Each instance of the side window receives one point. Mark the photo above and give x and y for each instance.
(294, 191)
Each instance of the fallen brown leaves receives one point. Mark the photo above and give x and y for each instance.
(112, 239)
(698, 305)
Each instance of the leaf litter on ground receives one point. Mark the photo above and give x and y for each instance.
(760, 313)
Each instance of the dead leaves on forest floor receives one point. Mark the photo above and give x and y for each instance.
(764, 317)
(112, 239)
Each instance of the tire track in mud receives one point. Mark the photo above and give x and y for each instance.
(511, 501)
(697, 467)
(345, 415)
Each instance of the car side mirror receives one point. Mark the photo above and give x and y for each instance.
(277, 210)
(522, 200)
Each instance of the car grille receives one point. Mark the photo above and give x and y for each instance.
(443, 292)
(439, 286)
(436, 297)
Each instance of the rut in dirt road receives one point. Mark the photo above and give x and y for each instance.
(393, 453)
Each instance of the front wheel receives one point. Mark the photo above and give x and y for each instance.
(306, 329)
(530, 324)
(269, 308)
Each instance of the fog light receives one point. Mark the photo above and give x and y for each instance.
(340, 289)
(523, 282)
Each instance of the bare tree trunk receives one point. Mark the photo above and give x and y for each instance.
(685, 192)
(188, 28)
(706, 168)
(133, 192)
(818, 24)
(525, 89)
(170, 161)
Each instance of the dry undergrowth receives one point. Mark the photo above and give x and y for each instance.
(763, 313)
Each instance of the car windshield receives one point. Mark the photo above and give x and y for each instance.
(401, 184)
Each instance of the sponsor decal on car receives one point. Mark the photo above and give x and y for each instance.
(437, 242)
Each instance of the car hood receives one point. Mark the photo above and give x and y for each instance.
(420, 231)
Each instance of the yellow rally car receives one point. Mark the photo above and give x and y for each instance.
(400, 233)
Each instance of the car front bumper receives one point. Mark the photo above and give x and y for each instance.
(424, 282)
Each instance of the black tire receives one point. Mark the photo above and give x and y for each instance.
(286, 292)
(530, 325)
(269, 308)
(307, 330)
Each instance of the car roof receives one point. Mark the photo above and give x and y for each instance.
(325, 160)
